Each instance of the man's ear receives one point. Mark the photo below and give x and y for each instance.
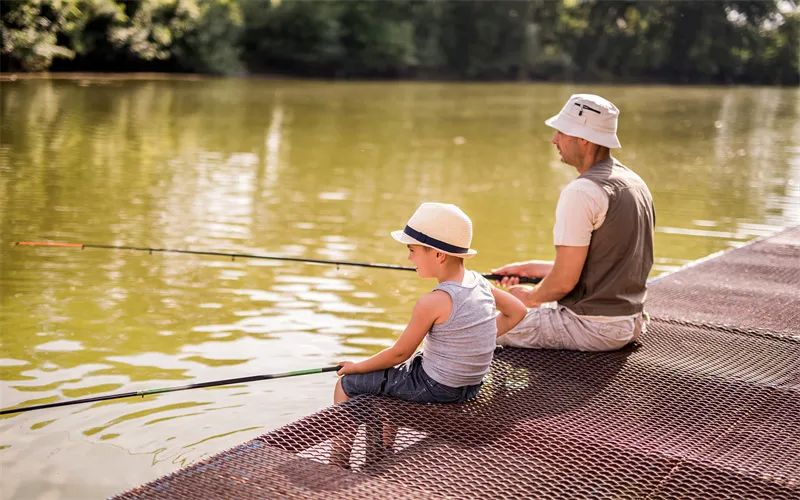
(588, 146)
(440, 257)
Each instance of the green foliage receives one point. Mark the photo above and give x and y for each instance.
(374, 39)
(298, 37)
(611, 40)
(336, 38)
(189, 35)
(483, 39)
(153, 27)
(200, 36)
(97, 19)
(212, 45)
(775, 53)
(33, 31)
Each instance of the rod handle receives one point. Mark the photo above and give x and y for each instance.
(522, 279)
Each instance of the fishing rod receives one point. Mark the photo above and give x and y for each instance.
(147, 392)
(494, 277)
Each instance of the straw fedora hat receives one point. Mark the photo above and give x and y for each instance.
(589, 117)
(441, 226)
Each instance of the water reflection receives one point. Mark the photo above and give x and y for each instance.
(302, 169)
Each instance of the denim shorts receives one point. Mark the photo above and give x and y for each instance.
(408, 382)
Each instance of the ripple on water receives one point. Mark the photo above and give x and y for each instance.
(259, 295)
(333, 195)
(61, 346)
(140, 414)
(12, 362)
(39, 425)
(215, 361)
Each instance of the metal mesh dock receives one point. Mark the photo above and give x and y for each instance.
(707, 406)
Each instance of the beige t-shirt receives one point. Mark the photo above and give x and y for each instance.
(581, 209)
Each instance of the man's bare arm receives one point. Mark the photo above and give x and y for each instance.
(561, 279)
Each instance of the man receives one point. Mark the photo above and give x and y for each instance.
(603, 236)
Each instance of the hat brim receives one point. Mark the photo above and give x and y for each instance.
(603, 139)
(405, 239)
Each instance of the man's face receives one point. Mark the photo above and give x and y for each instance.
(568, 147)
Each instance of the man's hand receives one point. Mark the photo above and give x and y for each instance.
(524, 293)
(518, 268)
(346, 368)
(527, 269)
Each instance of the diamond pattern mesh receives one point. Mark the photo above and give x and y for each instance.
(707, 406)
(751, 288)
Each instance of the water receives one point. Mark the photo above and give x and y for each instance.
(302, 169)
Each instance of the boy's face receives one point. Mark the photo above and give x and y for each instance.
(424, 259)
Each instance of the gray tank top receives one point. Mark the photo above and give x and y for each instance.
(459, 351)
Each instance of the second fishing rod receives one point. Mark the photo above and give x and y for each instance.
(232, 255)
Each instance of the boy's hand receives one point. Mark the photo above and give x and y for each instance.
(508, 281)
(347, 367)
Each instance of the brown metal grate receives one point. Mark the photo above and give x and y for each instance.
(696, 411)
(637, 422)
(756, 287)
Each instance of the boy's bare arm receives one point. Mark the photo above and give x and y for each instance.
(512, 310)
(429, 308)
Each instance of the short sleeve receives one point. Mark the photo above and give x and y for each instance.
(581, 209)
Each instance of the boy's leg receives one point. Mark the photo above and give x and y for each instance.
(389, 433)
(341, 444)
(339, 395)
(346, 386)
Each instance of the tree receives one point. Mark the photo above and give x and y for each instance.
(33, 32)
(722, 41)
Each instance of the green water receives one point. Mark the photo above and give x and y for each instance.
(301, 169)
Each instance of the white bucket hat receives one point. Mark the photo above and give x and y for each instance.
(589, 117)
(440, 226)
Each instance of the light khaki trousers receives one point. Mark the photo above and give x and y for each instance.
(558, 328)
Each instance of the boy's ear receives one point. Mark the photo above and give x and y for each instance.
(441, 257)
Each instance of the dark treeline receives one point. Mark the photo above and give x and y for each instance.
(648, 40)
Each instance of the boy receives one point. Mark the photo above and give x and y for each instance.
(458, 317)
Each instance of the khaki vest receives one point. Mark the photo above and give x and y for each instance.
(613, 281)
